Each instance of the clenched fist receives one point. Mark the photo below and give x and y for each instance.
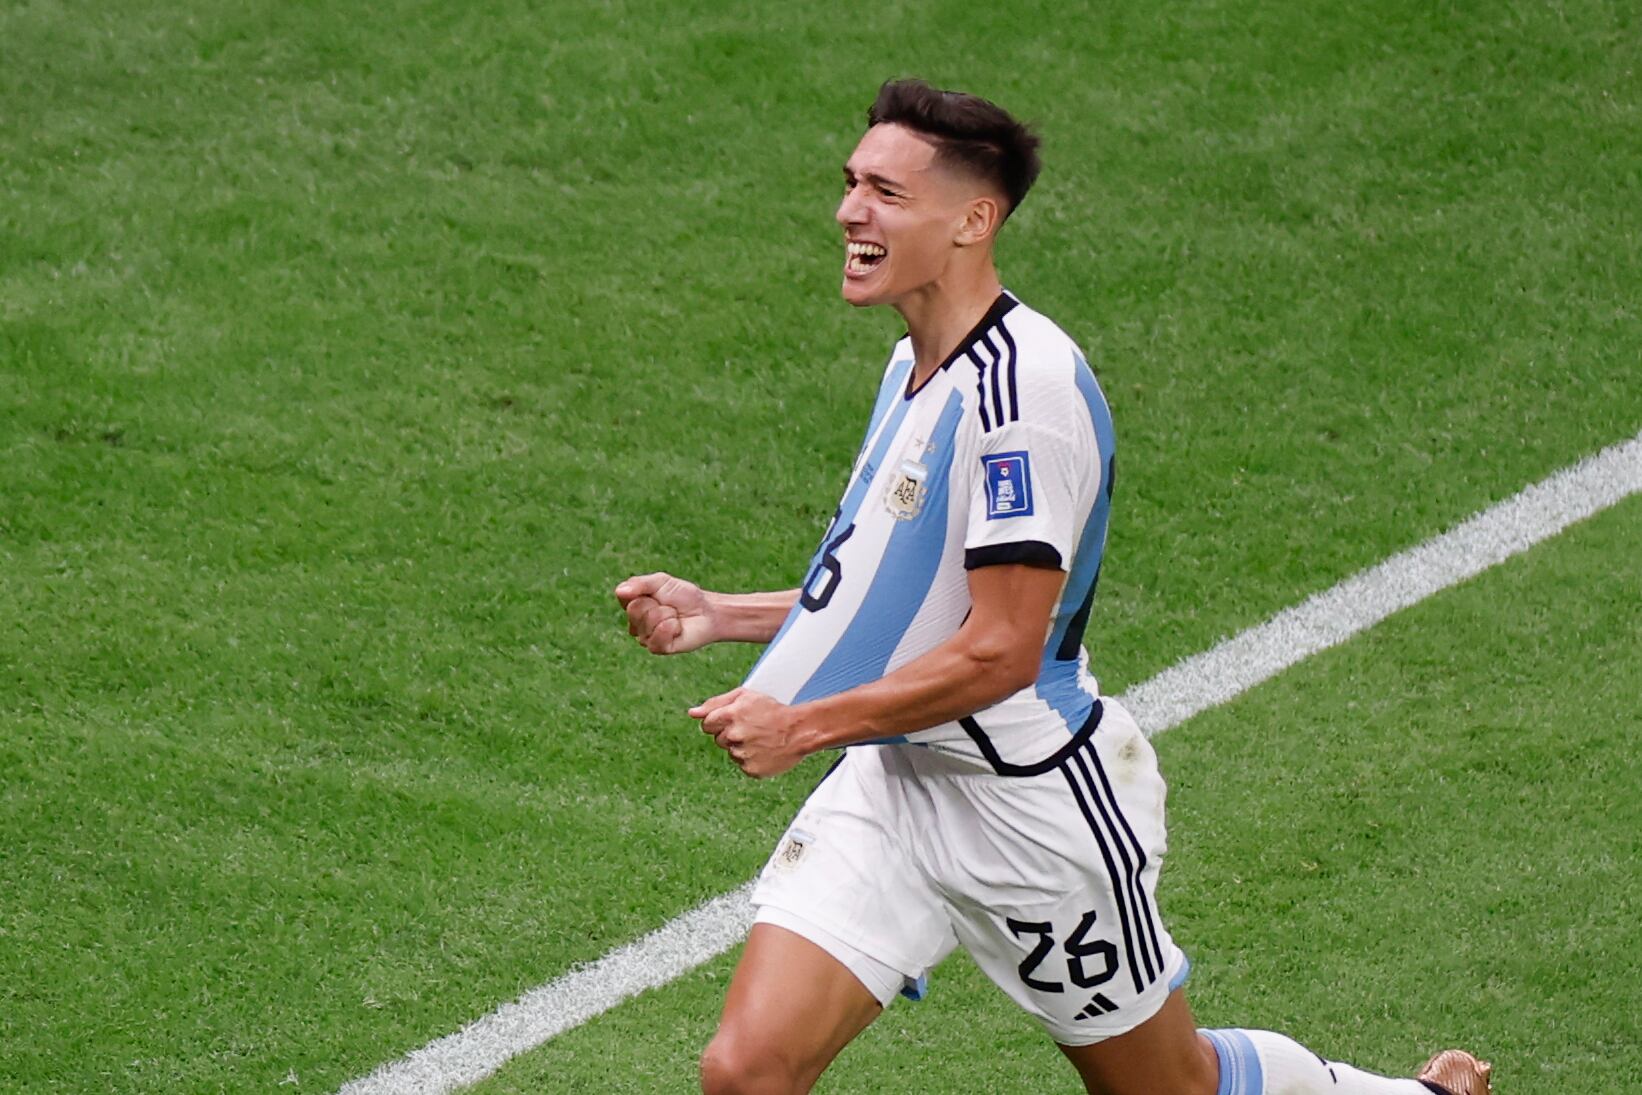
(668, 615)
(756, 730)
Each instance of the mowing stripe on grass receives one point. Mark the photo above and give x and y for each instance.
(1168, 699)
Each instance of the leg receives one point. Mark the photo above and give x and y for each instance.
(1166, 1055)
(844, 918)
(1087, 953)
(791, 1008)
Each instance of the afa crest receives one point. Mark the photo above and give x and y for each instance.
(905, 498)
(791, 852)
(908, 486)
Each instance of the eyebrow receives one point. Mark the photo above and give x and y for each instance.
(874, 178)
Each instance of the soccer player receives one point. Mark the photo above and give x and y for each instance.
(989, 796)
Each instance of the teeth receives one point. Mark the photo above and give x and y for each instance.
(867, 250)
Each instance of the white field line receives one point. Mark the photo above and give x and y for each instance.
(1168, 699)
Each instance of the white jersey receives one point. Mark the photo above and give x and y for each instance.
(1003, 456)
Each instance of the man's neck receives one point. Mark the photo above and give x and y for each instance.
(941, 315)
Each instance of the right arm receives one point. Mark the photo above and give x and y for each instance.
(669, 615)
(751, 617)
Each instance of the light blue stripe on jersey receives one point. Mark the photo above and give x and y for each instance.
(895, 382)
(906, 570)
(1058, 687)
(857, 492)
(1058, 680)
(849, 507)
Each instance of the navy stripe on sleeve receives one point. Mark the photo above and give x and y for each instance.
(1034, 553)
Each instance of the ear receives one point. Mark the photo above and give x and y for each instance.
(980, 222)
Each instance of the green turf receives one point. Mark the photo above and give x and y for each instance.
(350, 353)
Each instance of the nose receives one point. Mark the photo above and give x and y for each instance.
(851, 209)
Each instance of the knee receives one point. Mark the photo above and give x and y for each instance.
(733, 1064)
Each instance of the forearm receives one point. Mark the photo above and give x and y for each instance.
(750, 617)
(957, 678)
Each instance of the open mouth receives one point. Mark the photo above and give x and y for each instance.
(861, 258)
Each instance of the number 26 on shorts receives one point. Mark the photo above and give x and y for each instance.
(1089, 963)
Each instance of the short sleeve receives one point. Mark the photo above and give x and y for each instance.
(1027, 487)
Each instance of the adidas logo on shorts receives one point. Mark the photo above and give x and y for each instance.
(1096, 1007)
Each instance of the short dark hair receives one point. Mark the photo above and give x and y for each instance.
(968, 132)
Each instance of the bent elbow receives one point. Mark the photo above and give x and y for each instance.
(1004, 668)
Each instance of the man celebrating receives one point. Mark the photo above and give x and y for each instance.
(990, 796)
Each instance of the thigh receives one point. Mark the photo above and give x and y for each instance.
(1164, 1055)
(846, 865)
(790, 1009)
(1052, 881)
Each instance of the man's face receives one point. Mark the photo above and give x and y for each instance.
(901, 214)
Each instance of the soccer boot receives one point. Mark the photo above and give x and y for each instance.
(1456, 1072)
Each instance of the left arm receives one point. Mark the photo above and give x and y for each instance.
(993, 655)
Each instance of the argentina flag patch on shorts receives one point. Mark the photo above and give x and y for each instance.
(1008, 485)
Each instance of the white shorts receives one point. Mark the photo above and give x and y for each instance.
(1049, 881)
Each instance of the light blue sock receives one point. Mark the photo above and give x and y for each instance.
(1240, 1071)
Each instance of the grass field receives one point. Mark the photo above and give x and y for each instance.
(349, 354)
